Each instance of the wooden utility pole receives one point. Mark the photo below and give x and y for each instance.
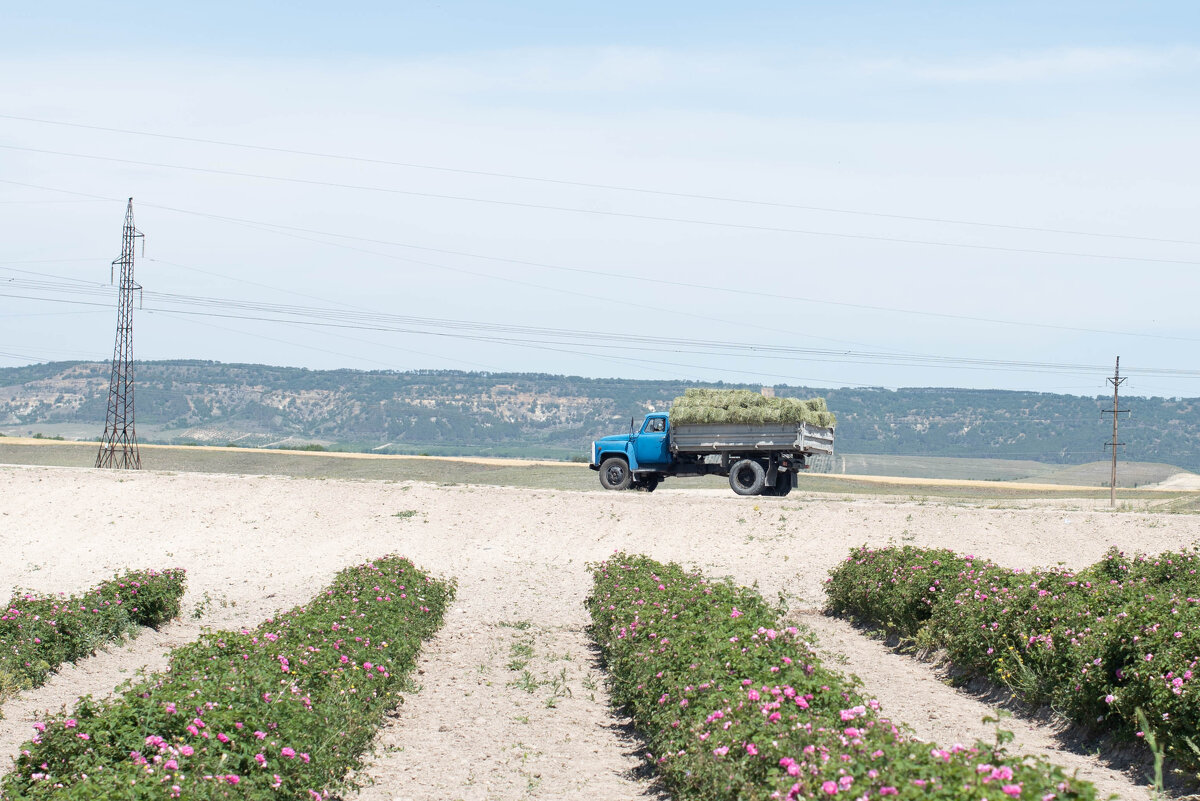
(1116, 382)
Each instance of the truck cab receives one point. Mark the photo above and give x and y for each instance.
(638, 459)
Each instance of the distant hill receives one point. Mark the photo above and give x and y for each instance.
(528, 414)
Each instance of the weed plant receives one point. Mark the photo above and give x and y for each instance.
(38, 634)
(1099, 645)
(733, 708)
(282, 711)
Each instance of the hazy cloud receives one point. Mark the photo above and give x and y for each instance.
(1048, 65)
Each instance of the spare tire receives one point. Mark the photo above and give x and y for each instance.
(747, 477)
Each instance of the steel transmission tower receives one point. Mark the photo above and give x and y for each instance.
(118, 448)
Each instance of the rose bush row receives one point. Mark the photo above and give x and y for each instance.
(734, 707)
(1097, 645)
(39, 633)
(281, 711)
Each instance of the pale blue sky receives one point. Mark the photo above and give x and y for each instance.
(386, 30)
(1071, 116)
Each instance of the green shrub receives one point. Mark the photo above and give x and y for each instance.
(38, 634)
(1098, 645)
(733, 708)
(894, 587)
(282, 711)
(1176, 568)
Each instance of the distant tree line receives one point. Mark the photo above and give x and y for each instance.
(480, 412)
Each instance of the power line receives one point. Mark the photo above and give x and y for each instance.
(357, 356)
(605, 213)
(80, 281)
(690, 346)
(661, 280)
(38, 202)
(8, 315)
(708, 318)
(594, 340)
(590, 185)
(105, 289)
(657, 363)
(632, 304)
(47, 261)
(618, 360)
(43, 358)
(625, 302)
(759, 350)
(287, 230)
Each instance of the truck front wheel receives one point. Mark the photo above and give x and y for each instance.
(747, 477)
(614, 474)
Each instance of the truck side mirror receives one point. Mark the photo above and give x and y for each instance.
(631, 426)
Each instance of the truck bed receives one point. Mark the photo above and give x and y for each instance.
(717, 438)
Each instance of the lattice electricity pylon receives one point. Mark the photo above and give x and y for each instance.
(118, 448)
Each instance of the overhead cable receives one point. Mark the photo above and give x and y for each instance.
(469, 329)
(606, 213)
(288, 230)
(592, 185)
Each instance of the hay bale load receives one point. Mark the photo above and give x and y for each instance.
(743, 407)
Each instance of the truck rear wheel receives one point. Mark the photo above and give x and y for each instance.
(614, 474)
(747, 477)
(647, 483)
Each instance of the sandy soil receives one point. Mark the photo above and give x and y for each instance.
(967, 483)
(512, 704)
(498, 462)
(1179, 481)
(920, 695)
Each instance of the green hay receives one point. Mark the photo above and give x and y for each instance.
(743, 407)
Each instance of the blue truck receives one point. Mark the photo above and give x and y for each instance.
(757, 459)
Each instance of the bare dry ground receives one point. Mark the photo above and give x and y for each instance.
(933, 476)
(1179, 481)
(512, 703)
